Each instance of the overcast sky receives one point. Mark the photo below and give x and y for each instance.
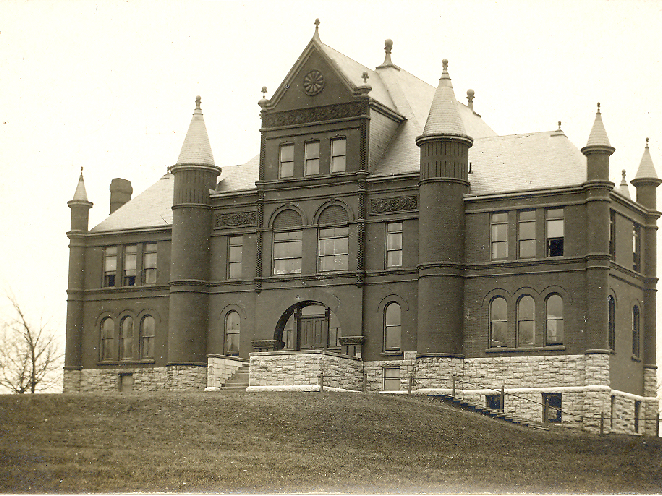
(111, 86)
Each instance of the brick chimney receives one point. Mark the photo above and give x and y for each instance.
(120, 193)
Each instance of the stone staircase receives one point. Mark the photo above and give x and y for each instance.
(488, 412)
(239, 380)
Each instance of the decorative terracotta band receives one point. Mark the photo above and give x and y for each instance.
(395, 204)
(236, 219)
(315, 114)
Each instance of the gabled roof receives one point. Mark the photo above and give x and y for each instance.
(151, 208)
(239, 177)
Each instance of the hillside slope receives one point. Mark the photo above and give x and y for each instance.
(300, 442)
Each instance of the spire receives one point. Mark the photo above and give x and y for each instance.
(598, 136)
(646, 168)
(444, 119)
(80, 195)
(196, 149)
(623, 187)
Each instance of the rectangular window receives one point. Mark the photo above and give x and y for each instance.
(555, 232)
(130, 254)
(286, 162)
(635, 331)
(109, 266)
(636, 248)
(338, 155)
(526, 234)
(394, 244)
(499, 235)
(235, 249)
(612, 234)
(333, 249)
(637, 413)
(312, 158)
(287, 252)
(392, 379)
(149, 263)
(552, 407)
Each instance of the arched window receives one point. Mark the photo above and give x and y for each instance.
(498, 322)
(554, 320)
(287, 243)
(147, 335)
(612, 322)
(526, 324)
(333, 239)
(107, 338)
(126, 338)
(636, 329)
(232, 324)
(392, 327)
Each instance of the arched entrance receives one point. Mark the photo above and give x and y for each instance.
(306, 326)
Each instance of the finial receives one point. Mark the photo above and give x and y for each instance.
(317, 28)
(559, 126)
(470, 98)
(81, 167)
(198, 99)
(623, 174)
(646, 142)
(388, 46)
(598, 107)
(444, 64)
(263, 101)
(365, 77)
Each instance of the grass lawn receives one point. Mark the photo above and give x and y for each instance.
(300, 442)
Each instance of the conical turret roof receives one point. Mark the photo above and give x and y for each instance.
(598, 136)
(196, 149)
(80, 194)
(444, 118)
(623, 187)
(646, 168)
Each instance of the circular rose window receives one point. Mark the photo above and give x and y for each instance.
(313, 83)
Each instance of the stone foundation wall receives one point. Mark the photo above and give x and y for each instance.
(650, 381)
(287, 368)
(178, 378)
(621, 418)
(221, 368)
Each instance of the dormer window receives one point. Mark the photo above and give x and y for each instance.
(286, 163)
(312, 158)
(338, 154)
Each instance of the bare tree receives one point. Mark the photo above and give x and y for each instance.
(30, 356)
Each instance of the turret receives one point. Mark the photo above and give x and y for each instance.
(444, 164)
(80, 213)
(598, 189)
(80, 207)
(194, 175)
(646, 181)
(597, 151)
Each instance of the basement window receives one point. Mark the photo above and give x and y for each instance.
(552, 407)
(391, 378)
(493, 402)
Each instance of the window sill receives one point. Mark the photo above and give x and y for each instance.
(123, 363)
(391, 354)
(504, 349)
(635, 359)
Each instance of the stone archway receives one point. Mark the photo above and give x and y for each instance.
(307, 325)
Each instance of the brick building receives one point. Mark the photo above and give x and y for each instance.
(384, 239)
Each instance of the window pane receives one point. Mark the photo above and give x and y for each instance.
(554, 228)
(527, 215)
(233, 321)
(525, 308)
(393, 314)
(312, 149)
(394, 259)
(393, 338)
(555, 307)
(287, 249)
(501, 217)
(527, 230)
(554, 331)
(526, 333)
(287, 153)
(235, 253)
(500, 232)
(394, 241)
(287, 266)
(394, 227)
(287, 169)
(499, 250)
(527, 249)
(556, 213)
(312, 167)
(234, 270)
(338, 147)
(499, 309)
(149, 261)
(499, 333)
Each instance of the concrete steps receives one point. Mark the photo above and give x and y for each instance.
(239, 381)
(487, 412)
